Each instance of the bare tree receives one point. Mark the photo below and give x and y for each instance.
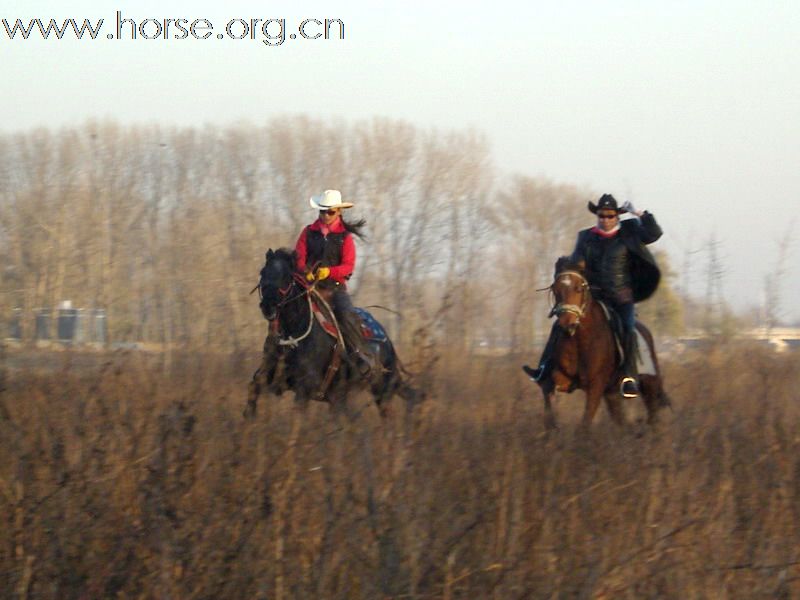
(537, 221)
(165, 228)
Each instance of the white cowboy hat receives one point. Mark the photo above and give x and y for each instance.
(329, 199)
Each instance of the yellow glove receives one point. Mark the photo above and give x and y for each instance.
(319, 275)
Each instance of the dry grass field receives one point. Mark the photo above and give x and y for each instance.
(122, 479)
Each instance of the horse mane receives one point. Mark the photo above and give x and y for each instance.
(567, 263)
(287, 255)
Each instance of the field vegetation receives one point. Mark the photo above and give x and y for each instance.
(123, 478)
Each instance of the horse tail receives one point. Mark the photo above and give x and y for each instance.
(394, 312)
(651, 345)
(661, 396)
(401, 367)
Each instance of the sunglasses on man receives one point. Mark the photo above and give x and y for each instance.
(607, 216)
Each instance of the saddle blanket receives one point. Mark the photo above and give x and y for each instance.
(370, 328)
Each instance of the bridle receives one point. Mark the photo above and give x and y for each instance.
(296, 281)
(561, 307)
(284, 293)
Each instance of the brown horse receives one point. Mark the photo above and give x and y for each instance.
(585, 355)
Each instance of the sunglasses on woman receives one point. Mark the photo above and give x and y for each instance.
(330, 212)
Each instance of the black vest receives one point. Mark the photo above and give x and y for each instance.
(324, 251)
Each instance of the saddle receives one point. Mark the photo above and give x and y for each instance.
(644, 360)
(617, 330)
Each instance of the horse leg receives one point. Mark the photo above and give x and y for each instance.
(654, 397)
(382, 395)
(340, 407)
(548, 392)
(337, 401)
(390, 381)
(302, 396)
(410, 395)
(254, 390)
(594, 393)
(391, 384)
(384, 409)
(616, 408)
(382, 390)
(265, 376)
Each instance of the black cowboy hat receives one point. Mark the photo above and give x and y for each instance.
(607, 202)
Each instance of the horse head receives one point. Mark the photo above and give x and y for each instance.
(571, 293)
(275, 281)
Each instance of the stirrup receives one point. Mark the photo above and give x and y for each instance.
(535, 374)
(628, 388)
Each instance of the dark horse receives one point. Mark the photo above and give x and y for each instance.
(300, 355)
(586, 357)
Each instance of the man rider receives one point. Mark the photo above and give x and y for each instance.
(624, 271)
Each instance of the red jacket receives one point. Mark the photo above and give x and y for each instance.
(344, 269)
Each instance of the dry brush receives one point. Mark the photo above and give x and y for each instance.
(121, 479)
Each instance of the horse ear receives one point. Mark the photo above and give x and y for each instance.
(270, 254)
(581, 264)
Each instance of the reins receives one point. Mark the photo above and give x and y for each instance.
(339, 348)
(294, 341)
(307, 291)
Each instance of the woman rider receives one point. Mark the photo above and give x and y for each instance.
(326, 253)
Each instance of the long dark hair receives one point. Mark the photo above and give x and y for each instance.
(355, 228)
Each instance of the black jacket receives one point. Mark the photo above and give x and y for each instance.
(621, 262)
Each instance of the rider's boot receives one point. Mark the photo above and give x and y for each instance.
(545, 368)
(358, 354)
(629, 388)
(535, 374)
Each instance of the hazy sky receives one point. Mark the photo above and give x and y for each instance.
(690, 109)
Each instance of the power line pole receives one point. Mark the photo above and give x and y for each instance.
(714, 278)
